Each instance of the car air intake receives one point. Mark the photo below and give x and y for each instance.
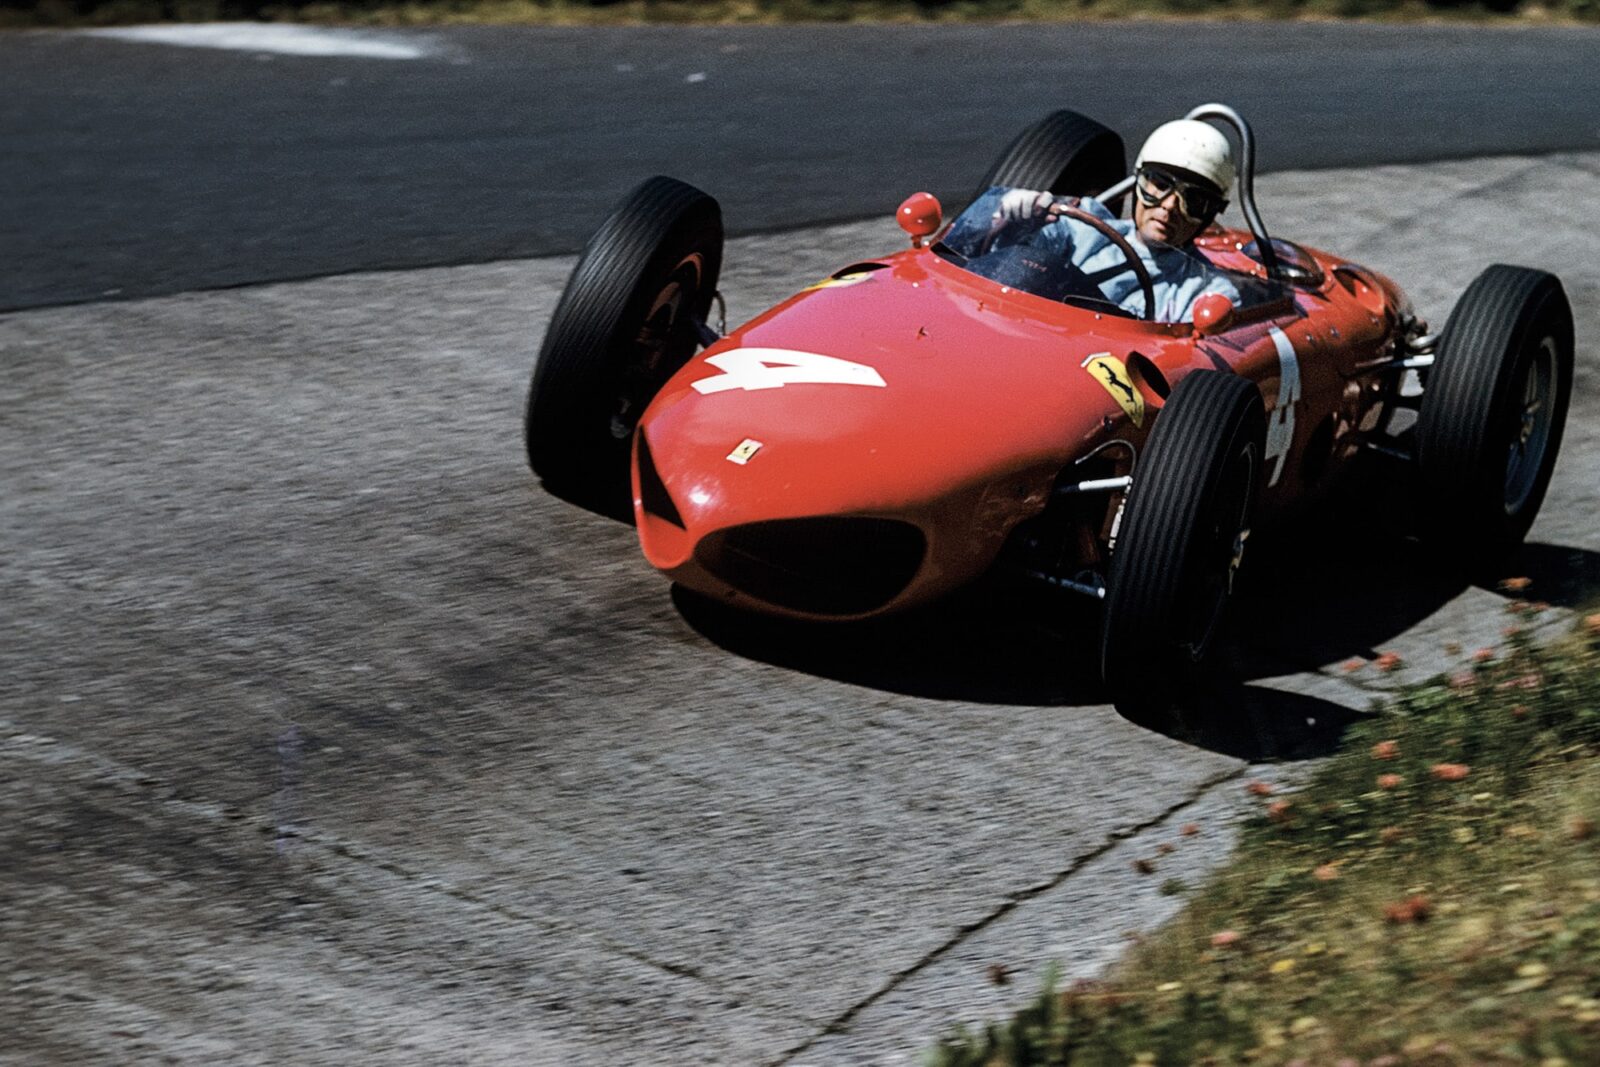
(826, 566)
(653, 493)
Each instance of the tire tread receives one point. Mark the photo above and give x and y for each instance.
(1186, 454)
(1062, 149)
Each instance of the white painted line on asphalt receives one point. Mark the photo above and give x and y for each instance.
(264, 37)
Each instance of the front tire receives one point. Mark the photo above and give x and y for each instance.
(1494, 411)
(628, 319)
(1180, 543)
(1065, 152)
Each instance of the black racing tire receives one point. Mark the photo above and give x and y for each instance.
(1066, 153)
(628, 319)
(1180, 543)
(1493, 414)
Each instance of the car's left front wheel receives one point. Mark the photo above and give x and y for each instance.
(1180, 543)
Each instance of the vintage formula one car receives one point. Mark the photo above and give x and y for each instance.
(917, 418)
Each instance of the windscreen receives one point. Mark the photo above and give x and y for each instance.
(1020, 239)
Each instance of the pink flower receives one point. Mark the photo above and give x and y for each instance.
(1414, 909)
(1524, 681)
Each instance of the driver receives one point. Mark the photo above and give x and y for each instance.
(1182, 177)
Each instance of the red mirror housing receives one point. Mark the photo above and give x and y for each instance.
(1212, 313)
(920, 216)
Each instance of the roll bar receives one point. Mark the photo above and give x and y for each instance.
(1246, 170)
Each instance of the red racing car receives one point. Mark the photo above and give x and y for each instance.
(920, 417)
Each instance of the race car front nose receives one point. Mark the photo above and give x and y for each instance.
(829, 566)
(824, 566)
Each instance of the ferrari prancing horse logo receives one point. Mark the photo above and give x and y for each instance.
(1113, 376)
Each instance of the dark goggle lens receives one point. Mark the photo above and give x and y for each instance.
(1198, 203)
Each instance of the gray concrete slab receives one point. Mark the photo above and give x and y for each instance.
(327, 734)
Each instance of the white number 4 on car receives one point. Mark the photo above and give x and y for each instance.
(770, 368)
(1280, 422)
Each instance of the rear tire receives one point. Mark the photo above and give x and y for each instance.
(1066, 153)
(1180, 543)
(1494, 412)
(628, 319)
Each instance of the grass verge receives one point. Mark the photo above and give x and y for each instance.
(1431, 896)
(82, 13)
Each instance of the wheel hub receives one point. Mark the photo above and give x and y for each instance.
(1531, 431)
(1238, 556)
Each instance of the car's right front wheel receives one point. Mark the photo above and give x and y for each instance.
(1180, 543)
(628, 319)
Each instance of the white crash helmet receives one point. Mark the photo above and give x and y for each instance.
(1194, 146)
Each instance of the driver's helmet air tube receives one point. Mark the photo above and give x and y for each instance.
(1247, 170)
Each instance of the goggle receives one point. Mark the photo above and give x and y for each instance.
(1198, 203)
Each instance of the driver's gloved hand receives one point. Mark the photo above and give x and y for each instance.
(1019, 204)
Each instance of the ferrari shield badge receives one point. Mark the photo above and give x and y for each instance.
(1113, 377)
(745, 452)
(833, 282)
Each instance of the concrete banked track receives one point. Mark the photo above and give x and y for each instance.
(326, 735)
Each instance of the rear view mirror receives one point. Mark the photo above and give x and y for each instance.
(1212, 314)
(919, 216)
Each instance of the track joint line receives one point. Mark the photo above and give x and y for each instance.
(841, 1023)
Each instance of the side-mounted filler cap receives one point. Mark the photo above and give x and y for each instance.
(919, 216)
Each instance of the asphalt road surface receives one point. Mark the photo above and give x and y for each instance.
(328, 736)
(134, 169)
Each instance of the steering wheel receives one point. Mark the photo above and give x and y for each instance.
(1145, 284)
